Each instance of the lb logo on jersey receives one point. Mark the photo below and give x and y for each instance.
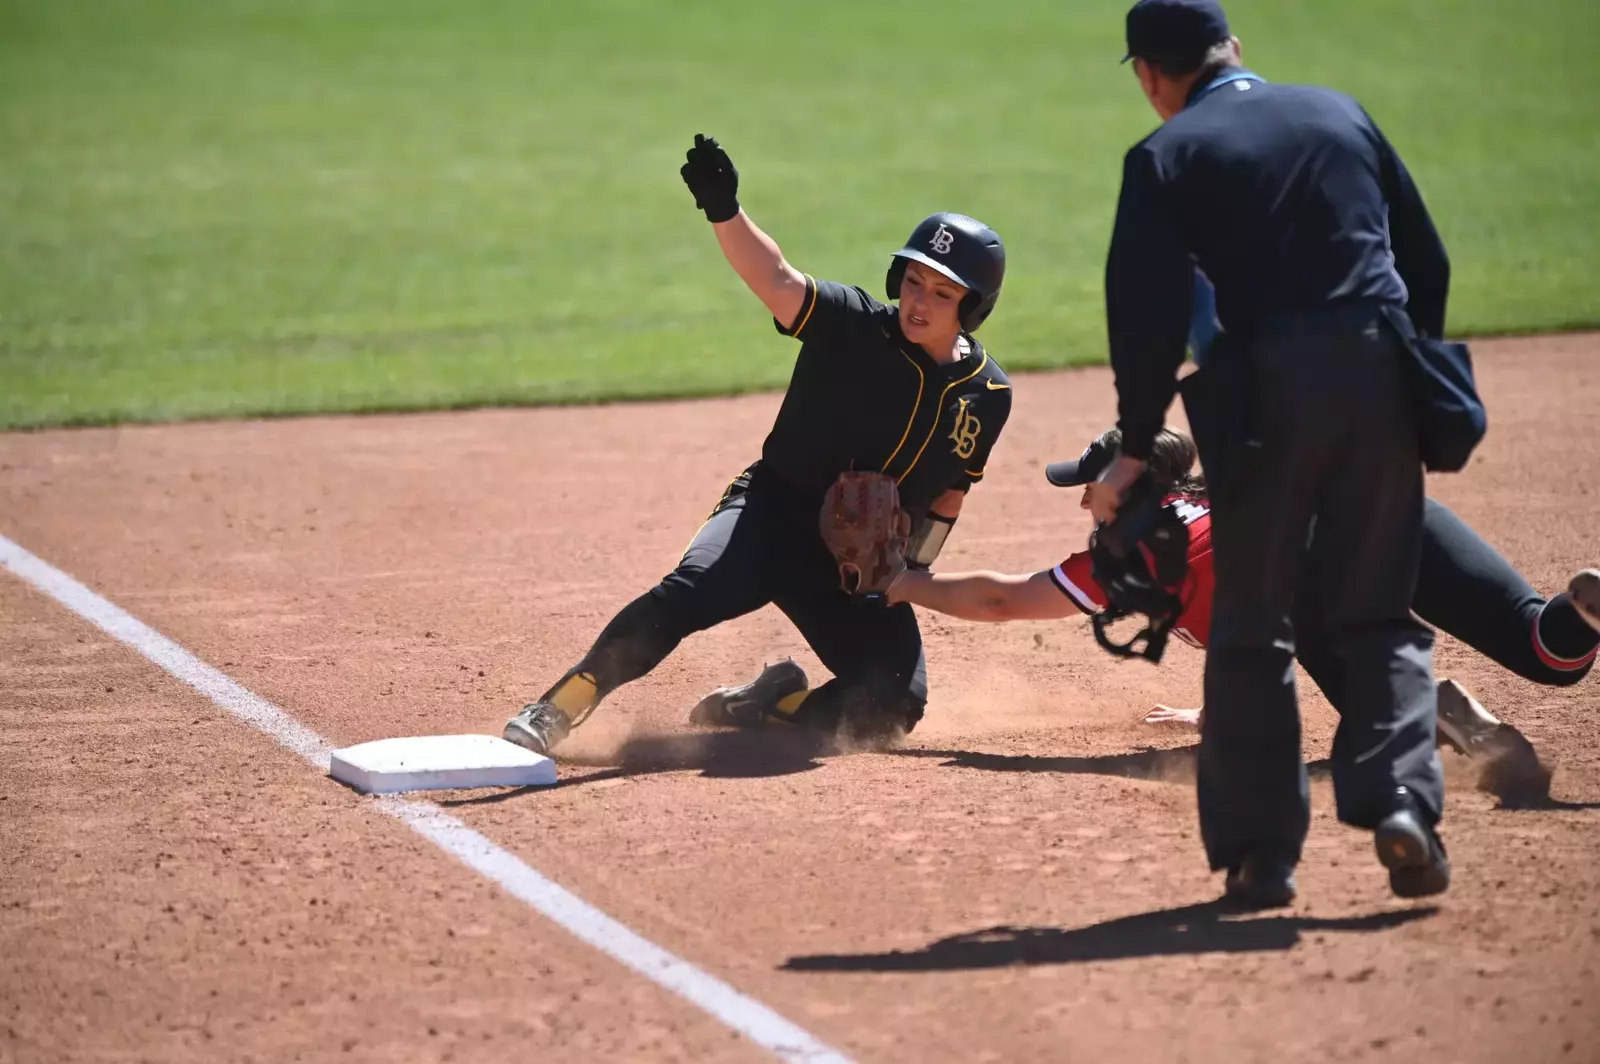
(965, 434)
(943, 240)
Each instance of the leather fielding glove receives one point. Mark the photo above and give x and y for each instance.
(865, 528)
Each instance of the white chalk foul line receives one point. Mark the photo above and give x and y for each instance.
(749, 1017)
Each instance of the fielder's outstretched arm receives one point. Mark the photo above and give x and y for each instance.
(985, 596)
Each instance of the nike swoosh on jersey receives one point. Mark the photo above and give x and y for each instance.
(993, 387)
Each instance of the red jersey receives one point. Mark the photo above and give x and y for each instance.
(1075, 576)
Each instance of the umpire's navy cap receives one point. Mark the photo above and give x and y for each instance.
(1166, 29)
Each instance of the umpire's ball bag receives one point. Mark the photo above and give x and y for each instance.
(1450, 415)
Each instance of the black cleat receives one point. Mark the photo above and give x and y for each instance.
(1261, 882)
(751, 705)
(539, 727)
(1413, 853)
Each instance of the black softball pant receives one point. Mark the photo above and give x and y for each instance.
(760, 546)
(1465, 588)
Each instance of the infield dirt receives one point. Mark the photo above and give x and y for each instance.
(1021, 879)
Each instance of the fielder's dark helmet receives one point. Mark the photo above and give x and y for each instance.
(964, 250)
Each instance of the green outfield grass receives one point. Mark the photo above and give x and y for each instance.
(228, 207)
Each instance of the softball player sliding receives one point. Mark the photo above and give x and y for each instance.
(1464, 587)
(904, 391)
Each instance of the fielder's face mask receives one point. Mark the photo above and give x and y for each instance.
(1140, 560)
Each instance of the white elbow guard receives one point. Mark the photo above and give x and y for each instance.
(927, 537)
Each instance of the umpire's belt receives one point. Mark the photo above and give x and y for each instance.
(1352, 316)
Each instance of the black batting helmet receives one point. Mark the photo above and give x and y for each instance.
(964, 250)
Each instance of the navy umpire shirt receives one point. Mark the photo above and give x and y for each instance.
(1288, 198)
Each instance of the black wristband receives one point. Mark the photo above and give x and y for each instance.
(722, 210)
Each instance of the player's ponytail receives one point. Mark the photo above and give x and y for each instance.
(1172, 459)
(1173, 456)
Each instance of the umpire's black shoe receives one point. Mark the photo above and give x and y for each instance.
(751, 705)
(1262, 881)
(539, 727)
(1413, 853)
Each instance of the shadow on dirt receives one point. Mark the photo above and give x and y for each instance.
(1540, 803)
(714, 754)
(1521, 780)
(721, 754)
(1166, 766)
(1176, 765)
(1518, 788)
(784, 752)
(1209, 927)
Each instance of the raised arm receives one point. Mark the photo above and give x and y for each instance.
(759, 262)
(754, 255)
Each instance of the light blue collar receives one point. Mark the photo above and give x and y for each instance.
(1235, 75)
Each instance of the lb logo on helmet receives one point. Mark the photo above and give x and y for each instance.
(942, 240)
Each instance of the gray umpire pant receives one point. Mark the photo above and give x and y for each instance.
(1333, 463)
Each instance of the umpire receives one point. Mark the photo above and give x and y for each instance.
(1291, 202)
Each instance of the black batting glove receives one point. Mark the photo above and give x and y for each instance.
(710, 175)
